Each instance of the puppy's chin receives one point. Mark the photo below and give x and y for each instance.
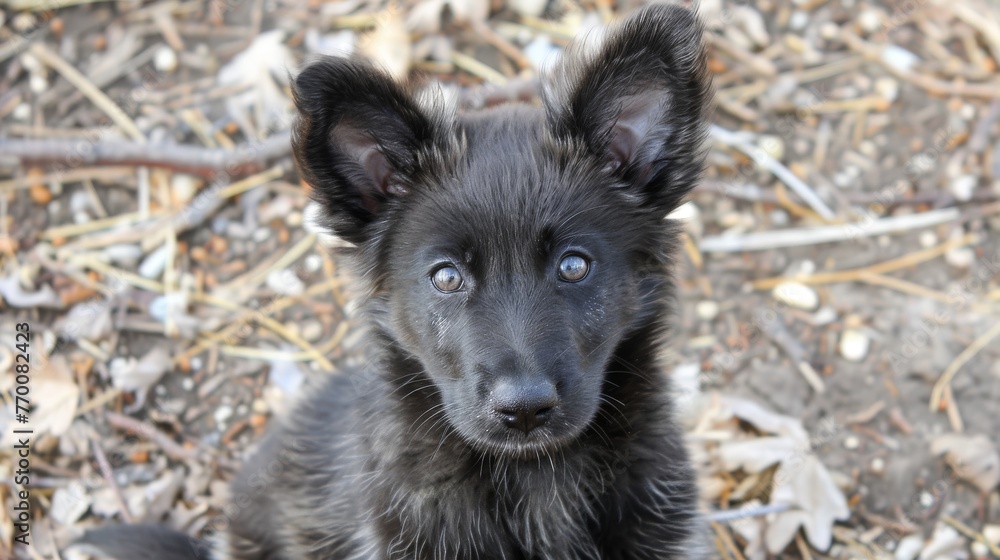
(509, 444)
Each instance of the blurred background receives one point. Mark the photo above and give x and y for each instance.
(837, 346)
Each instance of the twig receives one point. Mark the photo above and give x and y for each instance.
(738, 141)
(906, 261)
(945, 380)
(92, 92)
(758, 64)
(109, 477)
(206, 162)
(173, 449)
(971, 533)
(778, 332)
(799, 237)
(746, 512)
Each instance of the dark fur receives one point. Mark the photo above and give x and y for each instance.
(407, 459)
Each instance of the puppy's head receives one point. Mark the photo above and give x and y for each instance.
(514, 253)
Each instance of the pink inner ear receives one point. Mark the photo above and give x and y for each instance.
(361, 147)
(640, 115)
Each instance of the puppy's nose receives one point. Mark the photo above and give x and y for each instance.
(524, 406)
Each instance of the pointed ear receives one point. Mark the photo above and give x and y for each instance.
(638, 103)
(358, 141)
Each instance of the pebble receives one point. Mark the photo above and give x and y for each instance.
(259, 406)
(38, 83)
(123, 254)
(824, 316)
(183, 187)
(909, 547)
(878, 465)
(799, 20)
(980, 550)
(707, 310)
(852, 442)
(165, 59)
(313, 262)
(772, 145)
(312, 330)
(261, 235)
(797, 295)
(187, 384)
(829, 30)
(926, 499)
(928, 239)
(22, 112)
(153, 265)
(294, 219)
(40, 194)
(960, 257)
(285, 282)
(223, 413)
(870, 21)
(854, 345)
(899, 58)
(963, 186)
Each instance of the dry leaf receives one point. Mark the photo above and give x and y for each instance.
(55, 411)
(805, 484)
(129, 374)
(973, 458)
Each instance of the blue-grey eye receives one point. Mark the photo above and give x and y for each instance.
(573, 268)
(447, 279)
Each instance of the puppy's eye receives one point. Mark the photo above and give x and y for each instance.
(447, 279)
(573, 268)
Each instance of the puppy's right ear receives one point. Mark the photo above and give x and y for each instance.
(357, 141)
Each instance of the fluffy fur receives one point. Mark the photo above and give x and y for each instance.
(411, 457)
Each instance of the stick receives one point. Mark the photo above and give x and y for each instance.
(197, 160)
(109, 477)
(763, 159)
(799, 237)
(98, 97)
(944, 381)
(173, 449)
(906, 261)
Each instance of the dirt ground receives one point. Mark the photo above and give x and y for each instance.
(837, 341)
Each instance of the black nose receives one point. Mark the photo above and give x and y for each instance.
(524, 406)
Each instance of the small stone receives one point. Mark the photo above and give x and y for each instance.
(926, 499)
(960, 257)
(797, 295)
(829, 30)
(852, 442)
(183, 187)
(313, 262)
(165, 59)
(928, 239)
(259, 406)
(222, 414)
(22, 112)
(824, 316)
(799, 20)
(878, 465)
(963, 186)
(854, 345)
(80, 217)
(38, 84)
(261, 235)
(196, 363)
(870, 21)
(773, 146)
(909, 547)
(152, 266)
(312, 330)
(40, 194)
(187, 384)
(294, 219)
(285, 282)
(980, 550)
(707, 310)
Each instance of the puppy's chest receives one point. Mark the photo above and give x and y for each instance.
(543, 513)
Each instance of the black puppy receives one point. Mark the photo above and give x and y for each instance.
(517, 266)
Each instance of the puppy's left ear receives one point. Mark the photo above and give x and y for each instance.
(638, 104)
